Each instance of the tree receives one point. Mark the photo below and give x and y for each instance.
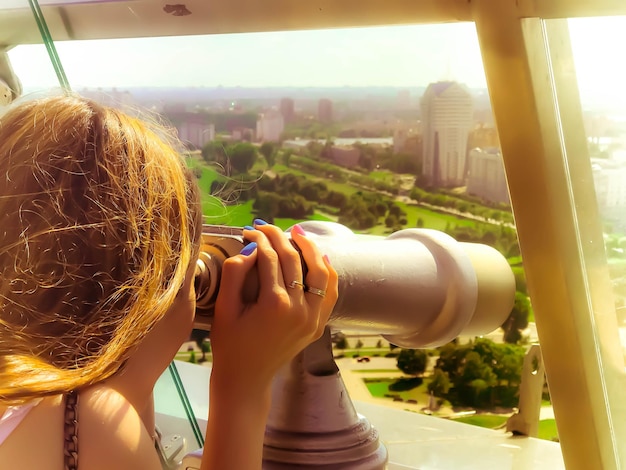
(359, 344)
(206, 348)
(439, 384)
(336, 199)
(478, 376)
(215, 152)
(517, 319)
(200, 336)
(342, 343)
(412, 361)
(268, 150)
(242, 156)
(391, 221)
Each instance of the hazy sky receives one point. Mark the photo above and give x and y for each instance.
(393, 56)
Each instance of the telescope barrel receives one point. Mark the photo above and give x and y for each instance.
(418, 288)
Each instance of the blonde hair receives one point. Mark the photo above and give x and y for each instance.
(99, 221)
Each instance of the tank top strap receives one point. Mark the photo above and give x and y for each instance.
(70, 431)
(13, 416)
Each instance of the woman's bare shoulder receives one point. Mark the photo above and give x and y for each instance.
(112, 434)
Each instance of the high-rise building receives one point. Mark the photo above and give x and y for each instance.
(486, 175)
(193, 129)
(287, 109)
(269, 126)
(325, 110)
(447, 118)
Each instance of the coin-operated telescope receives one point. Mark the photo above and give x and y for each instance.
(418, 288)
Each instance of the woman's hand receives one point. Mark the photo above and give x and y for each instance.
(251, 341)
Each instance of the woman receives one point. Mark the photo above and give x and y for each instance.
(99, 233)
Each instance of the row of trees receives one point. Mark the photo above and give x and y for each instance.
(316, 162)
(462, 205)
(363, 211)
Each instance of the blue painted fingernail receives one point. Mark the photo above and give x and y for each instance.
(259, 222)
(248, 249)
(248, 227)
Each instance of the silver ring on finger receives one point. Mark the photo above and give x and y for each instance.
(294, 284)
(315, 291)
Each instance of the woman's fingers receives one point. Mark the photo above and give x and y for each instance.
(234, 271)
(279, 264)
(288, 256)
(268, 263)
(317, 276)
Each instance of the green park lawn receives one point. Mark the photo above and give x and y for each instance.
(547, 430)
(383, 175)
(352, 352)
(379, 387)
(484, 421)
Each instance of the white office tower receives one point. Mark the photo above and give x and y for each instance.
(194, 131)
(486, 177)
(447, 118)
(270, 126)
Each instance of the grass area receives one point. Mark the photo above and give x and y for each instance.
(547, 427)
(380, 387)
(351, 352)
(484, 421)
(547, 430)
(382, 175)
(286, 223)
(217, 213)
(185, 355)
(375, 371)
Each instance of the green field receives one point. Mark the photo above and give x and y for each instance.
(484, 421)
(547, 430)
(380, 387)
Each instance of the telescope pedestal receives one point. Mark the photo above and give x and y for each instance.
(313, 423)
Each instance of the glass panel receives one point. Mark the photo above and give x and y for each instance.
(600, 80)
(180, 397)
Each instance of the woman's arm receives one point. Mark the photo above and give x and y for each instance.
(234, 436)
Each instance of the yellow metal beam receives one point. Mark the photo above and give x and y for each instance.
(521, 82)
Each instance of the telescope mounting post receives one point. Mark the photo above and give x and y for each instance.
(313, 423)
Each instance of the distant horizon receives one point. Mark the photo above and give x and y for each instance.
(398, 57)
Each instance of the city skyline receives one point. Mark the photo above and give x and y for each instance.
(359, 57)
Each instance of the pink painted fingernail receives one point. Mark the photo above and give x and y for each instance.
(326, 258)
(296, 228)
